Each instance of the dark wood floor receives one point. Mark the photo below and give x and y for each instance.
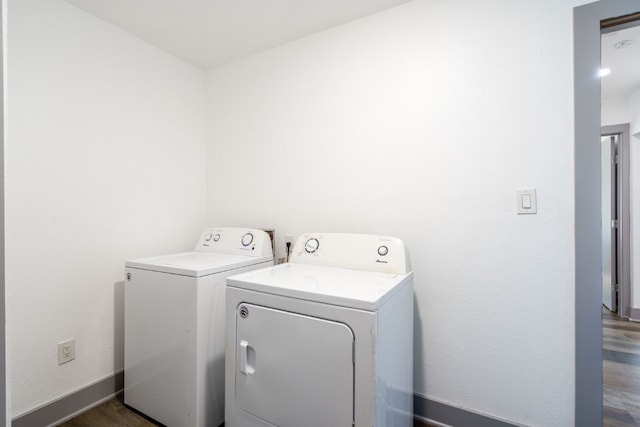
(621, 365)
(111, 413)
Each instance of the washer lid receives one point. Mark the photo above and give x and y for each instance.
(363, 290)
(195, 264)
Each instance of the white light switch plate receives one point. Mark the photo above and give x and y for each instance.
(526, 202)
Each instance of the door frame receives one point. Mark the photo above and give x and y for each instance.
(624, 219)
(608, 229)
(588, 289)
(4, 416)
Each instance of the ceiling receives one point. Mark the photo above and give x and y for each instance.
(624, 62)
(209, 33)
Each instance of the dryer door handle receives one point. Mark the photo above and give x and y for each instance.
(247, 358)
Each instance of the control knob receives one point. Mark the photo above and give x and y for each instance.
(247, 239)
(311, 245)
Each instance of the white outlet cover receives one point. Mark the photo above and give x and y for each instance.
(66, 351)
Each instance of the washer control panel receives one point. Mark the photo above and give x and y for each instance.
(355, 251)
(235, 241)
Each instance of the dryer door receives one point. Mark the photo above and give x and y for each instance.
(293, 370)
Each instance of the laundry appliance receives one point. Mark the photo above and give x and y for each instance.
(324, 340)
(174, 326)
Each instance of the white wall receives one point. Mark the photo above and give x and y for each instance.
(614, 111)
(105, 161)
(421, 122)
(634, 112)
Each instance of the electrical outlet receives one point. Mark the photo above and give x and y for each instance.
(66, 351)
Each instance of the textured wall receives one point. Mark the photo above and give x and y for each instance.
(421, 122)
(105, 161)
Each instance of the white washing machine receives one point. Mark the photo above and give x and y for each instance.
(174, 326)
(325, 340)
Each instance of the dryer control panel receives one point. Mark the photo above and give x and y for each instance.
(235, 241)
(366, 252)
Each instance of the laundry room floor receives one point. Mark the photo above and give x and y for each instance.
(114, 413)
(111, 413)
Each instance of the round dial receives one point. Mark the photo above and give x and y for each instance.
(207, 237)
(311, 245)
(383, 250)
(216, 237)
(247, 239)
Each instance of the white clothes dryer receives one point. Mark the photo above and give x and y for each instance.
(174, 326)
(325, 340)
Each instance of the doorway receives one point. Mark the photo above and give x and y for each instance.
(616, 219)
(610, 222)
(588, 256)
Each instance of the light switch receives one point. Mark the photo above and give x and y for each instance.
(526, 201)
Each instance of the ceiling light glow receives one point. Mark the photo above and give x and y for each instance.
(604, 72)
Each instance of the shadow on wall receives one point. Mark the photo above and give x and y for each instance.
(118, 327)
(418, 355)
